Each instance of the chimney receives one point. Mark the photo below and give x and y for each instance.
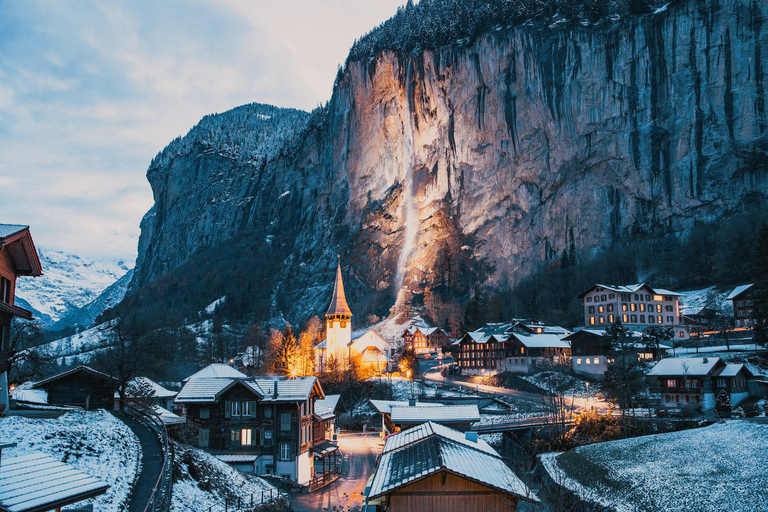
(471, 436)
(411, 402)
(275, 393)
(706, 360)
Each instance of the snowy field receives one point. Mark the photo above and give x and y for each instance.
(563, 383)
(95, 443)
(201, 481)
(715, 468)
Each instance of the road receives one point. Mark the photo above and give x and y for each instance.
(360, 451)
(151, 463)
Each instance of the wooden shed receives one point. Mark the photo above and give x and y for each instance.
(80, 387)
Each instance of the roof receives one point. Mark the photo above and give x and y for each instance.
(444, 413)
(217, 370)
(674, 366)
(732, 369)
(15, 311)
(37, 482)
(323, 448)
(738, 291)
(209, 389)
(168, 417)
(329, 402)
(543, 340)
(426, 331)
(237, 457)
(17, 240)
(160, 391)
(81, 368)
(338, 300)
(428, 449)
(385, 406)
(629, 288)
(323, 413)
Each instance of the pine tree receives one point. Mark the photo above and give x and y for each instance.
(760, 292)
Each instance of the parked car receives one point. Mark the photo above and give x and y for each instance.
(375, 505)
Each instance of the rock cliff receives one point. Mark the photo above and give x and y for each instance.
(476, 162)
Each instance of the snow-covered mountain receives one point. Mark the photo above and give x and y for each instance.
(86, 315)
(68, 283)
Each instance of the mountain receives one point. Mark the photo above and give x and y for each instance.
(68, 283)
(467, 147)
(86, 315)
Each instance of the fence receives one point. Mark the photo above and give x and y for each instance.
(241, 505)
(160, 499)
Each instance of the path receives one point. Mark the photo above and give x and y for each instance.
(151, 463)
(360, 451)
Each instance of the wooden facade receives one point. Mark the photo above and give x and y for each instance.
(81, 387)
(447, 492)
(743, 305)
(425, 340)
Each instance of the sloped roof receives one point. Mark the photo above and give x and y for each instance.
(419, 432)
(37, 482)
(329, 402)
(217, 370)
(338, 300)
(160, 391)
(323, 413)
(81, 368)
(385, 406)
(543, 340)
(694, 366)
(17, 240)
(630, 288)
(738, 291)
(289, 389)
(429, 451)
(208, 389)
(7, 230)
(444, 413)
(732, 369)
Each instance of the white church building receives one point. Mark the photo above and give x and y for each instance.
(375, 352)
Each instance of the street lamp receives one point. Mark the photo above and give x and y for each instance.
(409, 373)
(587, 384)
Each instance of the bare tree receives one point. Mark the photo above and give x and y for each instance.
(25, 359)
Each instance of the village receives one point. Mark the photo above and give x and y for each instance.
(421, 420)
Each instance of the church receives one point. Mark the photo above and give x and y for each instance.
(371, 351)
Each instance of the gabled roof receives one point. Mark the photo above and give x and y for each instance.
(733, 369)
(738, 291)
(678, 366)
(160, 391)
(630, 288)
(17, 240)
(289, 389)
(37, 482)
(209, 389)
(329, 402)
(217, 370)
(323, 412)
(444, 413)
(81, 368)
(385, 406)
(543, 340)
(429, 449)
(338, 300)
(370, 333)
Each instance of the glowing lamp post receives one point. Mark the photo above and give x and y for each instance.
(409, 373)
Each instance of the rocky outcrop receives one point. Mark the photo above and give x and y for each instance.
(528, 142)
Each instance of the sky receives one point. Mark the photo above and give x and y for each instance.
(90, 91)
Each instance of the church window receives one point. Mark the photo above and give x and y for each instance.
(343, 324)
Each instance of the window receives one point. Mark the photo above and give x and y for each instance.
(610, 319)
(642, 307)
(591, 310)
(670, 319)
(5, 290)
(268, 435)
(671, 383)
(601, 309)
(245, 437)
(203, 437)
(578, 360)
(642, 319)
(658, 308)
(658, 297)
(205, 412)
(235, 409)
(647, 297)
(633, 307)
(602, 298)
(234, 436)
(668, 308)
(634, 318)
(589, 299)
(285, 451)
(610, 307)
(246, 408)
(625, 318)
(624, 307)
(602, 319)
(596, 360)
(285, 421)
(721, 383)
(660, 319)
(268, 412)
(591, 320)
(586, 360)
(637, 297)
(693, 383)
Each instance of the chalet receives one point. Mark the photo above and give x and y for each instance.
(588, 354)
(80, 387)
(35, 483)
(327, 411)
(425, 339)
(505, 347)
(742, 298)
(433, 468)
(262, 425)
(373, 352)
(698, 380)
(637, 306)
(18, 257)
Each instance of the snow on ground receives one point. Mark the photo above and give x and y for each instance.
(210, 308)
(201, 481)
(95, 443)
(80, 347)
(709, 297)
(719, 467)
(493, 419)
(494, 440)
(25, 393)
(392, 330)
(567, 385)
(719, 348)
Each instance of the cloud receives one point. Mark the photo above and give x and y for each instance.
(90, 91)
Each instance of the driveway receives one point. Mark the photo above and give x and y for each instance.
(360, 451)
(151, 463)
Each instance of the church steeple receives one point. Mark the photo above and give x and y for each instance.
(338, 305)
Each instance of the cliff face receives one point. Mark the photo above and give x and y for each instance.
(478, 162)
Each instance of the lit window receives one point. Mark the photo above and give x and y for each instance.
(602, 319)
(625, 318)
(671, 383)
(610, 319)
(623, 307)
(660, 319)
(642, 307)
(591, 320)
(658, 297)
(658, 308)
(600, 309)
(597, 361)
(587, 360)
(633, 307)
(578, 360)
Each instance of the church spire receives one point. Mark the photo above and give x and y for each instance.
(338, 305)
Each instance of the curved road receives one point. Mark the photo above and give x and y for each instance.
(151, 464)
(360, 451)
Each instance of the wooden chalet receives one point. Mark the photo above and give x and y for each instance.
(588, 353)
(80, 387)
(743, 298)
(262, 425)
(433, 468)
(425, 339)
(18, 257)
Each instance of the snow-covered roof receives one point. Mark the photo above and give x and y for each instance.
(237, 457)
(35, 482)
(385, 406)
(81, 368)
(323, 413)
(738, 291)
(206, 390)
(444, 413)
(160, 391)
(322, 344)
(330, 401)
(167, 416)
(543, 340)
(731, 370)
(7, 230)
(217, 370)
(431, 449)
(694, 366)
(629, 288)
